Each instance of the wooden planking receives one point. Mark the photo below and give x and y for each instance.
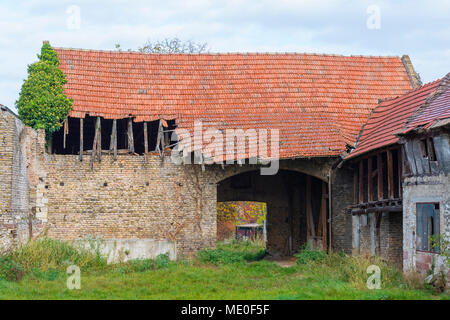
(390, 166)
(380, 176)
(355, 186)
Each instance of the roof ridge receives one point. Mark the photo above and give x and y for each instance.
(294, 53)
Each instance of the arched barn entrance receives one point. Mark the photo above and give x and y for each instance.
(297, 207)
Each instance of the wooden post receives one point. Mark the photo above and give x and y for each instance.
(355, 187)
(111, 140)
(309, 215)
(400, 172)
(99, 140)
(115, 140)
(390, 166)
(323, 215)
(81, 139)
(145, 142)
(95, 144)
(361, 181)
(369, 180)
(130, 136)
(160, 140)
(66, 131)
(380, 176)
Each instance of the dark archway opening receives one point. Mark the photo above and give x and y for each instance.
(297, 207)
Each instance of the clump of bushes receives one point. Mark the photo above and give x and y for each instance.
(307, 255)
(234, 252)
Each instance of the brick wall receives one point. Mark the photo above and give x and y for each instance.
(128, 198)
(342, 197)
(7, 120)
(18, 161)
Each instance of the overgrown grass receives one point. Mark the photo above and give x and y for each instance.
(47, 258)
(221, 273)
(350, 269)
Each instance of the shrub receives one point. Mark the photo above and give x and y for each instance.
(162, 261)
(308, 255)
(10, 269)
(234, 252)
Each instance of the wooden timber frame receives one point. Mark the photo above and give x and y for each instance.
(91, 126)
(319, 236)
(388, 173)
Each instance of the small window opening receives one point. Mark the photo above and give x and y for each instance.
(428, 227)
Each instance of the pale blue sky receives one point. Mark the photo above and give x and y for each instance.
(418, 28)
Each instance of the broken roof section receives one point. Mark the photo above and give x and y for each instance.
(435, 112)
(318, 102)
(421, 107)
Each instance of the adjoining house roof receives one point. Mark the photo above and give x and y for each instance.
(419, 107)
(318, 102)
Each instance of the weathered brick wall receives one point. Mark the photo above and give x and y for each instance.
(18, 161)
(7, 138)
(342, 197)
(130, 199)
(7, 120)
(395, 250)
(127, 198)
(389, 242)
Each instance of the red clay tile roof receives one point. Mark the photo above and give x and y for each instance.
(417, 107)
(318, 102)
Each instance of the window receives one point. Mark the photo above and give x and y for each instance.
(427, 226)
